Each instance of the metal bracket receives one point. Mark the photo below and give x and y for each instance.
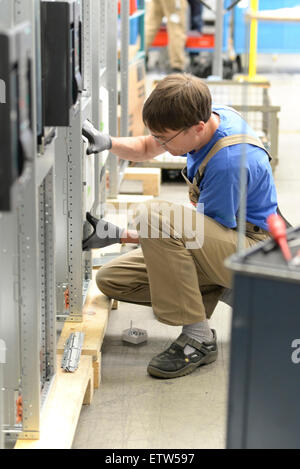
(72, 351)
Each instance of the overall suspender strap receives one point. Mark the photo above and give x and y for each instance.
(194, 191)
(227, 142)
(222, 143)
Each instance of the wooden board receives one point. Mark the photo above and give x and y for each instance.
(94, 323)
(62, 408)
(156, 163)
(124, 201)
(150, 177)
(97, 370)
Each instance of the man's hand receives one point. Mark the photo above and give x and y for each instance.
(103, 233)
(98, 141)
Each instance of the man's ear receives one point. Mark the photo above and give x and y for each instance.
(199, 127)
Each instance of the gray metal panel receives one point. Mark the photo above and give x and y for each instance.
(264, 370)
(30, 305)
(23, 257)
(78, 265)
(23, 252)
(86, 108)
(30, 309)
(28, 269)
(100, 163)
(96, 44)
(38, 62)
(45, 163)
(103, 28)
(9, 312)
(264, 380)
(73, 268)
(112, 86)
(43, 280)
(70, 211)
(95, 53)
(2, 363)
(61, 208)
(75, 216)
(9, 298)
(116, 169)
(7, 8)
(273, 414)
(87, 46)
(47, 275)
(239, 359)
(124, 67)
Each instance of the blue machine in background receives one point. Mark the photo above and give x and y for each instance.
(272, 37)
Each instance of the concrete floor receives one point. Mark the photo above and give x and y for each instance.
(131, 410)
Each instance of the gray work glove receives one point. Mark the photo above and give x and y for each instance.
(103, 233)
(98, 141)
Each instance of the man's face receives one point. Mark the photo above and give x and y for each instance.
(181, 141)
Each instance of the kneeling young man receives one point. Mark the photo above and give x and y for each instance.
(179, 268)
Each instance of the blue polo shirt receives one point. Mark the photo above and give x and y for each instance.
(220, 186)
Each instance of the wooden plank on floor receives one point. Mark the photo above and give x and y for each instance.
(94, 321)
(62, 408)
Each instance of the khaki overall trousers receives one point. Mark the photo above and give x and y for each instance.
(176, 13)
(182, 283)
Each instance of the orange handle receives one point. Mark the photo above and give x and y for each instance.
(277, 229)
(19, 409)
(67, 298)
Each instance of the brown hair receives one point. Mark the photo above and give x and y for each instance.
(178, 102)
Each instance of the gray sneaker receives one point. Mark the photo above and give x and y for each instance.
(173, 362)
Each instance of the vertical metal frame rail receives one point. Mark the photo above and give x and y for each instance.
(112, 86)
(2, 362)
(47, 276)
(30, 309)
(61, 228)
(124, 62)
(117, 169)
(124, 68)
(80, 266)
(96, 41)
(74, 214)
(218, 50)
(104, 110)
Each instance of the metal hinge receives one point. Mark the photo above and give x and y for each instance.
(72, 351)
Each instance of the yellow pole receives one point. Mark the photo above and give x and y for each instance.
(253, 41)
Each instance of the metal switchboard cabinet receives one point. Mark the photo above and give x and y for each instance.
(263, 409)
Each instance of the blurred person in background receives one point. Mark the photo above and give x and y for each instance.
(175, 11)
(196, 21)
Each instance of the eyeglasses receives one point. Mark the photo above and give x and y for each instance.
(163, 144)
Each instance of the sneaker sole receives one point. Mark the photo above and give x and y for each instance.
(212, 357)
